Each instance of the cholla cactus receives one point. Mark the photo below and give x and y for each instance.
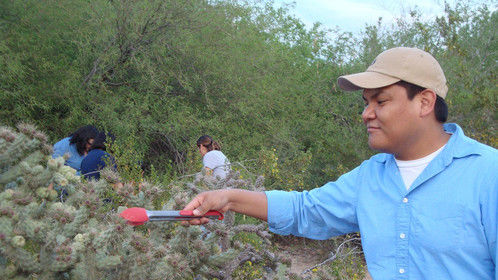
(21, 154)
(229, 254)
(81, 236)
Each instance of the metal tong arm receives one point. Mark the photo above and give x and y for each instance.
(181, 215)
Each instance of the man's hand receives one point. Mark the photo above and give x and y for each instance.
(203, 202)
(249, 203)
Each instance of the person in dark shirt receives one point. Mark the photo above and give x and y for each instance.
(97, 158)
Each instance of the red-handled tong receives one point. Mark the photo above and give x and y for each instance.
(138, 216)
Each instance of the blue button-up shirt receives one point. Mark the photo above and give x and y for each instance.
(443, 227)
(65, 147)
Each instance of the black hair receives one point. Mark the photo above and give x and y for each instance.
(81, 137)
(207, 141)
(440, 108)
(101, 140)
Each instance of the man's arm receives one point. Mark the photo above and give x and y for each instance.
(319, 214)
(249, 203)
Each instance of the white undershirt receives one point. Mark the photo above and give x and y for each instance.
(410, 169)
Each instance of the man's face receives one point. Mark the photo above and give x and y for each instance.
(88, 145)
(391, 118)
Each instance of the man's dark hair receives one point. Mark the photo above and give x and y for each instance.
(101, 140)
(440, 108)
(81, 137)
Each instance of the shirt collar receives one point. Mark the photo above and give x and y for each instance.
(458, 146)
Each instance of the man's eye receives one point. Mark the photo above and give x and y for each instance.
(381, 101)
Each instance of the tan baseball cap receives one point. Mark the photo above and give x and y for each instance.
(391, 66)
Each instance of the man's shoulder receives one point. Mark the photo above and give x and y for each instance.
(463, 145)
(483, 162)
(473, 159)
(375, 163)
(473, 147)
(487, 151)
(487, 156)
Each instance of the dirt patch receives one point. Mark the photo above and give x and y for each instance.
(306, 253)
(303, 253)
(302, 258)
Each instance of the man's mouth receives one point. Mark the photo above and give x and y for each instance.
(371, 128)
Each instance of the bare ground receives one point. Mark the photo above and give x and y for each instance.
(305, 253)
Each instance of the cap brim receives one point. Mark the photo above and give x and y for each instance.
(365, 80)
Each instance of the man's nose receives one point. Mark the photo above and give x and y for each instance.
(368, 113)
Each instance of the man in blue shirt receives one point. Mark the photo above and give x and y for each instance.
(426, 207)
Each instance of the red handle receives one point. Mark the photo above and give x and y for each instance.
(210, 213)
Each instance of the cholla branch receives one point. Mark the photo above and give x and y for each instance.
(260, 230)
(249, 254)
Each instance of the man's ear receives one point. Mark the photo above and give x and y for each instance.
(427, 99)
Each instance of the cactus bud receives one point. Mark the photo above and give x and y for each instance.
(18, 241)
(52, 194)
(10, 271)
(37, 169)
(42, 192)
(52, 164)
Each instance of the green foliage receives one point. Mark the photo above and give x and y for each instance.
(289, 175)
(350, 267)
(128, 160)
(158, 74)
(249, 271)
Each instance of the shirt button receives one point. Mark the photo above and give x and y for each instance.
(401, 270)
(402, 236)
(405, 200)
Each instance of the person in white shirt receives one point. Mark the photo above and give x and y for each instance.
(214, 161)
